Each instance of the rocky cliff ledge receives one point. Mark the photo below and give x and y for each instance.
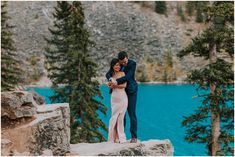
(144, 148)
(29, 127)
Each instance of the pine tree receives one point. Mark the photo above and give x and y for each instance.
(213, 121)
(200, 6)
(160, 7)
(11, 74)
(180, 12)
(190, 8)
(168, 67)
(70, 66)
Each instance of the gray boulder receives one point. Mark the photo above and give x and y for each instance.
(47, 133)
(17, 104)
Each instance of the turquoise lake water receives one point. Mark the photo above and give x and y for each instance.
(160, 110)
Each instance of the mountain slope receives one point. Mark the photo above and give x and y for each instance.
(114, 26)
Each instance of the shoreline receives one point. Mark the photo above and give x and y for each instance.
(140, 83)
(45, 82)
(159, 82)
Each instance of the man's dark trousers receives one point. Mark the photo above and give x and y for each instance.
(132, 98)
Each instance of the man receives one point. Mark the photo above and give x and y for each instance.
(128, 67)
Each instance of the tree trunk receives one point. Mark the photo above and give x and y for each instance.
(212, 53)
(215, 118)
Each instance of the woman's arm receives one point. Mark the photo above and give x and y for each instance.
(123, 85)
(120, 86)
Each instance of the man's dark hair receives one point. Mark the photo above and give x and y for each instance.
(122, 55)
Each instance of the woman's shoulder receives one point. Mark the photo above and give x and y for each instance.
(119, 74)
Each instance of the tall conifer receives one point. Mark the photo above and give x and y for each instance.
(11, 73)
(160, 7)
(72, 72)
(213, 121)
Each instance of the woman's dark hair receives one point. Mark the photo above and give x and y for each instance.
(113, 62)
(122, 55)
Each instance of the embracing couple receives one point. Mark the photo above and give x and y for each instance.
(123, 89)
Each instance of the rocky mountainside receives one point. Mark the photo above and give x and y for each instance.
(114, 26)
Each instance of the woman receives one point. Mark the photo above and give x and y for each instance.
(119, 103)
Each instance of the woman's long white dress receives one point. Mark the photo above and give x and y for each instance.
(119, 102)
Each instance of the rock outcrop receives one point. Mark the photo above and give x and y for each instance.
(17, 104)
(47, 132)
(47, 128)
(144, 148)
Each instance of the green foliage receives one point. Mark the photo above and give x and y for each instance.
(165, 76)
(199, 16)
(198, 124)
(219, 73)
(200, 44)
(141, 71)
(168, 71)
(180, 12)
(143, 4)
(36, 75)
(199, 7)
(149, 58)
(34, 59)
(190, 8)
(160, 7)
(169, 59)
(11, 73)
(72, 71)
(143, 77)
